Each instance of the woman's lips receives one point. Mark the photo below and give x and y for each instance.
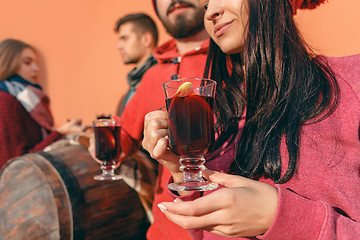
(220, 29)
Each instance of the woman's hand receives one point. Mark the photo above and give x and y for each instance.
(72, 126)
(156, 142)
(243, 208)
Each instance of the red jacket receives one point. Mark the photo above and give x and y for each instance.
(19, 133)
(149, 96)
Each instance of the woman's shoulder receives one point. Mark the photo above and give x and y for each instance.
(5, 96)
(8, 101)
(347, 71)
(345, 63)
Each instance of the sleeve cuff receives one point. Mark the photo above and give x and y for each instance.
(54, 136)
(296, 217)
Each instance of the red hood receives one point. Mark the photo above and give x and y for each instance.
(168, 51)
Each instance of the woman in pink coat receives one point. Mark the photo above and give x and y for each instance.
(288, 151)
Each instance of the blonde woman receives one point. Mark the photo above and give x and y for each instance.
(26, 123)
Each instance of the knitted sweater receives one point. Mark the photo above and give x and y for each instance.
(19, 133)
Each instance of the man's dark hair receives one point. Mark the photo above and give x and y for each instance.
(142, 23)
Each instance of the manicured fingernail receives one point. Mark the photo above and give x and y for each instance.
(162, 207)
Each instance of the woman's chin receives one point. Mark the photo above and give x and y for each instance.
(231, 50)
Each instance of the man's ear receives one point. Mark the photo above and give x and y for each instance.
(147, 39)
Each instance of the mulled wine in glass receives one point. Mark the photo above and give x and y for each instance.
(189, 103)
(107, 146)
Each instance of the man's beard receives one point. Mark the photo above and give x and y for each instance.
(185, 26)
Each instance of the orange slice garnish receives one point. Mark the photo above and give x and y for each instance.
(184, 90)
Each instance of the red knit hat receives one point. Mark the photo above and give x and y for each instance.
(295, 4)
(304, 4)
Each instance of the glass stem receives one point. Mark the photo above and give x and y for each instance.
(192, 167)
(108, 166)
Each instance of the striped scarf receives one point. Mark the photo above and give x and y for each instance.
(32, 98)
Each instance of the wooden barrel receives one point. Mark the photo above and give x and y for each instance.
(52, 195)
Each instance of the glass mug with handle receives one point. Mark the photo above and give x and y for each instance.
(189, 104)
(107, 146)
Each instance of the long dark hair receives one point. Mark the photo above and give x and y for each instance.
(281, 84)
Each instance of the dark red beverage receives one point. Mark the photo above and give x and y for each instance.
(107, 142)
(191, 124)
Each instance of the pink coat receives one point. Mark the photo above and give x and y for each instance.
(322, 200)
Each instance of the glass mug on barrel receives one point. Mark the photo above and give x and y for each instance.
(189, 103)
(107, 146)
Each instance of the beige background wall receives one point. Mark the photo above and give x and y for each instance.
(81, 69)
